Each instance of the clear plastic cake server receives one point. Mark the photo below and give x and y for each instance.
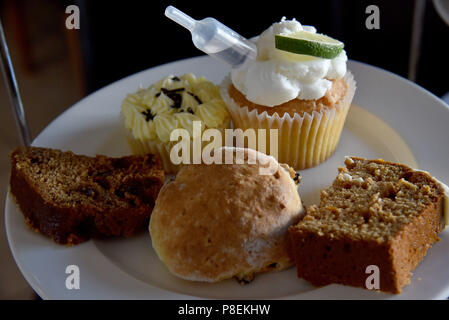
(215, 39)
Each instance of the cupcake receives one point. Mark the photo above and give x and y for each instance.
(150, 115)
(306, 98)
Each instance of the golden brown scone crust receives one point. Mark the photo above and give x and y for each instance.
(215, 222)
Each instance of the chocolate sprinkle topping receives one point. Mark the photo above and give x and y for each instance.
(173, 91)
(173, 95)
(148, 115)
(176, 97)
(196, 97)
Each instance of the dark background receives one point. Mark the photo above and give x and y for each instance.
(120, 38)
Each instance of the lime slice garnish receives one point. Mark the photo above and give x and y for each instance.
(312, 44)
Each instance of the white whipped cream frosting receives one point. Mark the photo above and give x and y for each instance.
(446, 197)
(277, 76)
(446, 202)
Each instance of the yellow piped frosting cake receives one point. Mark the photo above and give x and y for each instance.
(150, 115)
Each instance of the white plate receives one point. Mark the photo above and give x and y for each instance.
(129, 268)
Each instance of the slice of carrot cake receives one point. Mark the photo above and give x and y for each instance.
(376, 213)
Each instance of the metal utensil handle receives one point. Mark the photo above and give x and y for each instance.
(415, 43)
(13, 90)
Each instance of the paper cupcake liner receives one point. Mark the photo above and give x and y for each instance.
(163, 149)
(303, 141)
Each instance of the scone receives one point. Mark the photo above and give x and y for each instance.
(150, 115)
(219, 221)
(376, 213)
(305, 98)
